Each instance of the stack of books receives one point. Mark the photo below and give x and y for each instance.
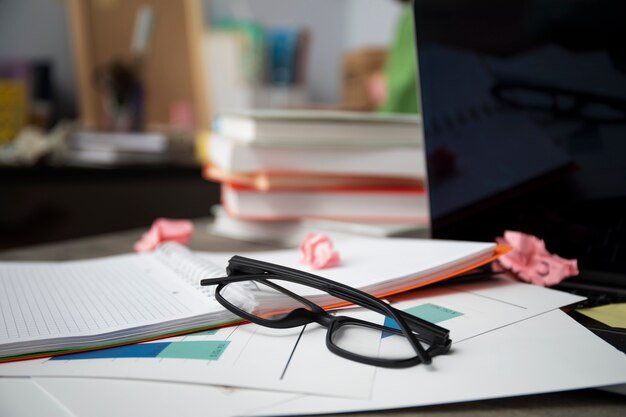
(292, 165)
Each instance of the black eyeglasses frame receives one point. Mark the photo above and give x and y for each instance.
(412, 328)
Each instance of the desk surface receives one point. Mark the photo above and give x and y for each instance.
(588, 402)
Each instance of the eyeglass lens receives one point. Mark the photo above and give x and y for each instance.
(372, 342)
(262, 297)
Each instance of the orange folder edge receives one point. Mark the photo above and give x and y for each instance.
(497, 252)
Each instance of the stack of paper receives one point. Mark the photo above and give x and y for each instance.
(508, 338)
(292, 165)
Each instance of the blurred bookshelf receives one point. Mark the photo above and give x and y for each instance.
(44, 204)
(179, 64)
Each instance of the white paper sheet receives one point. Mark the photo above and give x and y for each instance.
(380, 265)
(286, 360)
(93, 397)
(23, 397)
(546, 353)
(250, 356)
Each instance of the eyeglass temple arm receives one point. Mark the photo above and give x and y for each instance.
(429, 331)
(426, 330)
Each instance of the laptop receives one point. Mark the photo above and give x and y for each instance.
(524, 109)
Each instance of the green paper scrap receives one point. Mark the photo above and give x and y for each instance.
(207, 350)
(613, 315)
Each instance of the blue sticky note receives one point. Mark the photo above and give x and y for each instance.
(141, 350)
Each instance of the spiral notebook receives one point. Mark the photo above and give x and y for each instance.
(51, 308)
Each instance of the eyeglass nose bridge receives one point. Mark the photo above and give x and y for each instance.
(297, 317)
(324, 319)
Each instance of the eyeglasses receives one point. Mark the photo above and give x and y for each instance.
(561, 102)
(275, 296)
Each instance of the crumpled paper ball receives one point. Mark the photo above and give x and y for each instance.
(165, 230)
(530, 261)
(316, 251)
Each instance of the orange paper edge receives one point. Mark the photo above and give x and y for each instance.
(498, 251)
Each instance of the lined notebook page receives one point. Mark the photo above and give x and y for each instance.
(47, 300)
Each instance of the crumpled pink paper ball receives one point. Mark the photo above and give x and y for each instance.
(165, 230)
(316, 250)
(530, 261)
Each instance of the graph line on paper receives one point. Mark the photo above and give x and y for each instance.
(295, 346)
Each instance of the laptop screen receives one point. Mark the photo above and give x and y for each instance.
(524, 108)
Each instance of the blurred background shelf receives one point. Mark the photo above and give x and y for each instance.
(198, 59)
(44, 204)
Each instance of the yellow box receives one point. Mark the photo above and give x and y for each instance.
(13, 109)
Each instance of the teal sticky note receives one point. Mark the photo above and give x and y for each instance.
(433, 313)
(209, 350)
(430, 312)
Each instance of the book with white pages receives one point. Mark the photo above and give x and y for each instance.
(319, 128)
(389, 161)
(50, 308)
(292, 232)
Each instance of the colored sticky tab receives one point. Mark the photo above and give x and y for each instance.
(432, 313)
(207, 350)
(613, 315)
(142, 350)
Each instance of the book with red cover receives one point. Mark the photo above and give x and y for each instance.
(374, 204)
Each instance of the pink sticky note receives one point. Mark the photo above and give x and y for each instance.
(316, 250)
(164, 230)
(530, 260)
